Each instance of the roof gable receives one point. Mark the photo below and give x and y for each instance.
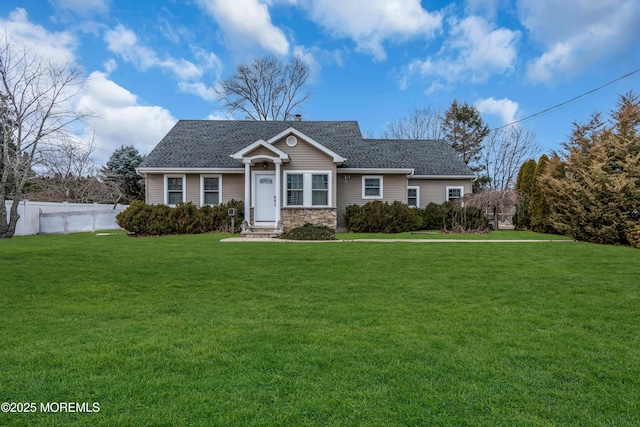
(244, 153)
(293, 131)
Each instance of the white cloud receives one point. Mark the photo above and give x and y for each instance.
(58, 47)
(124, 42)
(370, 23)
(220, 115)
(246, 23)
(504, 108)
(474, 51)
(120, 119)
(596, 33)
(208, 93)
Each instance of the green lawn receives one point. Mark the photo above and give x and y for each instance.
(186, 330)
(420, 235)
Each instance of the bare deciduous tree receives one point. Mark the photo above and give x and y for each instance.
(69, 173)
(36, 109)
(267, 89)
(503, 152)
(422, 123)
(499, 203)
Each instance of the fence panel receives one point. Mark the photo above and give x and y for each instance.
(57, 218)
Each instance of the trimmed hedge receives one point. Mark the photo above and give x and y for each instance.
(382, 217)
(397, 217)
(186, 218)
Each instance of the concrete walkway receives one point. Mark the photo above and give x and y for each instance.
(259, 239)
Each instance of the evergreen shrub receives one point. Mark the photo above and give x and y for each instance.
(310, 232)
(186, 218)
(633, 236)
(382, 217)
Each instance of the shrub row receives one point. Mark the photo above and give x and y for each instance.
(397, 217)
(186, 218)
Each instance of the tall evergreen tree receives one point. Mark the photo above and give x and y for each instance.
(524, 186)
(593, 187)
(465, 129)
(539, 212)
(121, 170)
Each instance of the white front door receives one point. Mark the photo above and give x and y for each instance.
(265, 193)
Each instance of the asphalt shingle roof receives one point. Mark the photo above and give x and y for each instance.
(209, 144)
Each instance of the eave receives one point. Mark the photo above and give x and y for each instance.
(151, 170)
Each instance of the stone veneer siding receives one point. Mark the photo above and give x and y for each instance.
(297, 217)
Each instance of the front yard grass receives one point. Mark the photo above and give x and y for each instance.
(185, 330)
(437, 234)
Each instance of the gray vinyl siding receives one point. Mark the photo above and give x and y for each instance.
(232, 187)
(154, 189)
(305, 157)
(394, 187)
(193, 189)
(435, 190)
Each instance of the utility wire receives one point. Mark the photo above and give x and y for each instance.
(567, 102)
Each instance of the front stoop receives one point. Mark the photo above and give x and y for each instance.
(252, 231)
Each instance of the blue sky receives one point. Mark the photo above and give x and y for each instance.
(151, 63)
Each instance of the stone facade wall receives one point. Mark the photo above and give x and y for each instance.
(297, 217)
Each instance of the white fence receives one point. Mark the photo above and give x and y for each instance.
(63, 218)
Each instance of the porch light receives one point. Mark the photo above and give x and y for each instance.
(264, 165)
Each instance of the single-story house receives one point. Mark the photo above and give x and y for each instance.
(289, 173)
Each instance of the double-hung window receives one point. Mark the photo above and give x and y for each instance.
(413, 197)
(320, 189)
(210, 186)
(295, 189)
(371, 187)
(308, 188)
(454, 193)
(174, 189)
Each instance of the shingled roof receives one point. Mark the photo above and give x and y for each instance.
(209, 144)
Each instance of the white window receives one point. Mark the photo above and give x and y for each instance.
(320, 189)
(175, 189)
(371, 187)
(413, 197)
(454, 193)
(210, 190)
(308, 188)
(295, 189)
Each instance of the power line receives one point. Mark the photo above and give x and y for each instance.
(567, 102)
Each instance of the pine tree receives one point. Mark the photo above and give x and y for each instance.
(465, 129)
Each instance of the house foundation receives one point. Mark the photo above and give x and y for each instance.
(297, 217)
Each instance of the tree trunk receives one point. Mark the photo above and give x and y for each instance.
(8, 228)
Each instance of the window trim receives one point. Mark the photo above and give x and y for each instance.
(166, 187)
(307, 188)
(202, 191)
(364, 180)
(454, 187)
(417, 188)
